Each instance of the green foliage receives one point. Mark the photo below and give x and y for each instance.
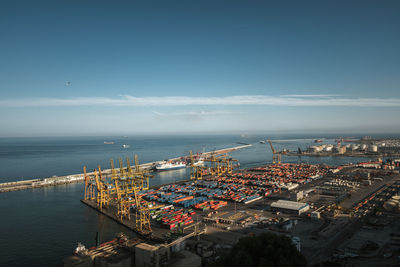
(263, 250)
(328, 264)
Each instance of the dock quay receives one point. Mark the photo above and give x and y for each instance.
(76, 178)
(37, 183)
(138, 250)
(157, 233)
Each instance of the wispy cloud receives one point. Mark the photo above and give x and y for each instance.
(127, 100)
(193, 113)
(311, 96)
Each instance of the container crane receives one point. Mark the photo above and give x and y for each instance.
(123, 200)
(196, 172)
(227, 164)
(141, 181)
(103, 193)
(141, 175)
(90, 186)
(276, 156)
(123, 187)
(221, 164)
(128, 183)
(113, 170)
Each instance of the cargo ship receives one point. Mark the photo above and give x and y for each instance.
(108, 142)
(199, 162)
(166, 166)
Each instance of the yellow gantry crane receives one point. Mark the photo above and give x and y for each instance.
(90, 186)
(123, 200)
(141, 175)
(226, 164)
(141, 181)
(113, 170)
(196, 170)
(103, 192)
(142, 214)
(276, 156)
(122, 189)
(128, 183)
(221, 164)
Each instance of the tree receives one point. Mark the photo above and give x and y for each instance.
(266, 249)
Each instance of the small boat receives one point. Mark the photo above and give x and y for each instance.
(318, 141)
(125, 146)
(262, 142)
(166, 166)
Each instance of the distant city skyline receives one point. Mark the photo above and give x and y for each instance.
(125, 68)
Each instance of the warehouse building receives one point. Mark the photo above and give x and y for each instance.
(290, 206)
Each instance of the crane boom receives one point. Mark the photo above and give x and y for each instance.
(272, 147)
(276, 156)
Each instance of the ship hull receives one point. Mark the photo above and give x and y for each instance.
(170, 168)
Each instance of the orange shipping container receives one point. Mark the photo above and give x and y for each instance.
(183, 199)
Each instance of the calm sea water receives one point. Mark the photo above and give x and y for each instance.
(40, 227)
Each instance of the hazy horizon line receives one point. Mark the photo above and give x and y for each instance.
(266, 100)
(211, 133)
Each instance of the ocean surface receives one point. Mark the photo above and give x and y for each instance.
(42, 226)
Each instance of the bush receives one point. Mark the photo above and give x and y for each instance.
(266, 249)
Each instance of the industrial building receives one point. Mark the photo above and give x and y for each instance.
(296, 196)
(290, 186)
(290, 206)
(124, 252)
(150, 255)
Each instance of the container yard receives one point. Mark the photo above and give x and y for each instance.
(127, 198)
(219, 204)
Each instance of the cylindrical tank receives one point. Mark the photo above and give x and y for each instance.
(364, 146)
(315, 149)
(396, 197)
(373, 148)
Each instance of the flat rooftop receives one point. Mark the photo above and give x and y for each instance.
(290, 205)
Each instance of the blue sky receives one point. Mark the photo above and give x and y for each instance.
(198, 67)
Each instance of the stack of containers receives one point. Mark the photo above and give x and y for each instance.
(206, 205)
(171, 217)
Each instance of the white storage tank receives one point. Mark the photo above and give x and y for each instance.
(364, 147)
(315, 149)
(373, 148)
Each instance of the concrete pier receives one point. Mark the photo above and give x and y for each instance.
(74, 178)
(157, 233)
